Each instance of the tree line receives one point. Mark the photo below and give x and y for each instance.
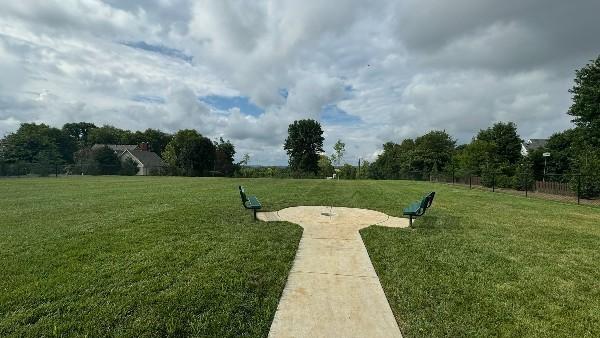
(185, 152)
(494, 153)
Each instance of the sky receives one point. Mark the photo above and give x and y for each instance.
(369, 71)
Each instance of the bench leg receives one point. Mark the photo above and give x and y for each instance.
(410, 220)
(254, 214)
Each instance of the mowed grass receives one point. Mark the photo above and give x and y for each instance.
(156, 256)
(137, 257)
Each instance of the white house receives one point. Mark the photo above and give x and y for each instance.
(147, 161)
(532, 144)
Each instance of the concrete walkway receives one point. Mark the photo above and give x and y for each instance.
(332, 289)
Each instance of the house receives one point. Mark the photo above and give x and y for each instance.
(147, 161)
(532, 144)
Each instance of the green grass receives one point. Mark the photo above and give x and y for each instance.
(131, 256)
(137, 257)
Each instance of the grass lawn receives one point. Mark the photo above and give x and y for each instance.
(132, 256)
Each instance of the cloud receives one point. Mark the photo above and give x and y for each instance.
(371, 72)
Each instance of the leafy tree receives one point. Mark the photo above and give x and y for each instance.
(474, 156)
(433, 150)
(224, 154)
(129, 168)
(79, 132)
(395, 161)
(107, 135)
(586, 101)
(106, 162)
(303, 145)
(524, 178)
(348, 172)
(157, 139)
(339, 149)
(192, 152)
(364, 170)
(506, 142)
(588, 166)
(32, 142)
(245, 159)
(325, 166)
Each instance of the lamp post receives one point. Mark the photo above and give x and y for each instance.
(546, 155)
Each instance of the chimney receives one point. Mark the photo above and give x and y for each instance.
(143, 146)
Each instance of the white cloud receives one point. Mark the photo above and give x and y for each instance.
(404, 67)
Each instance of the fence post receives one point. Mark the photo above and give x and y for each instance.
(470, 183)
(526, 184)
(494, 182)
(452, 173)
(56, 170)
(578, 188)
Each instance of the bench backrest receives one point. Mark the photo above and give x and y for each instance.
(425, 203)
(243, 195)
(431, 196)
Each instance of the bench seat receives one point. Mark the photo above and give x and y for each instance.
(253, 203)
(249, 202)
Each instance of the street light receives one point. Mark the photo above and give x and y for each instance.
(546, 155)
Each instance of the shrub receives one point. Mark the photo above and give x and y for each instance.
(524, 178)
(128, 168)
(589, 168)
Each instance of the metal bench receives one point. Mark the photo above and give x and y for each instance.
(417, 209)
(249, 202)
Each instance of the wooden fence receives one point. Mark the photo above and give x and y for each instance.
(554, 188)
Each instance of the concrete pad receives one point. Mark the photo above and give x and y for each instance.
(324, 305)
(333, 256)
(332, 289)
(268, 216)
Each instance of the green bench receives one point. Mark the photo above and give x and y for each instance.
(417, 209)
(249, 202)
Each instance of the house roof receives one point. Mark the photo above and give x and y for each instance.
(535, 143)
(147, 158)
(119, 148)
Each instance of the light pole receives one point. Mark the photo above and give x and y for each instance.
(546, 155)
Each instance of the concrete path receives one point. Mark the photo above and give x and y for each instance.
(332, 289)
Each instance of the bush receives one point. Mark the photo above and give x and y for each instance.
(589, 168)
(129, 168)
(524, 178)
(106, 162)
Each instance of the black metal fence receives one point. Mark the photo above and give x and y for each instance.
(21, 169)
(575, 188)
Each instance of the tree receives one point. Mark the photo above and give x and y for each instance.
(303, 145)
(506, 142)
(395, 161)
(433, 150)
(587, 163)
(33, 143)
(364, 171)
(129, 168)
(339, 150)
(325, 166)
(79, 132)
(224, 153)
(107, 135)
(245, 159)
(474, 156)
(190, 151)
(157, 139)
(586, 96)
(106, 162)
(347, 172)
